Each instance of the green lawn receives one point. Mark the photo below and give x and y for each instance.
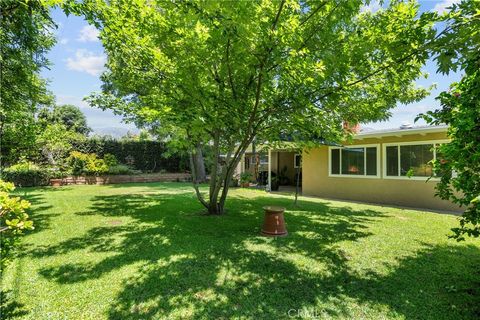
(144, 251)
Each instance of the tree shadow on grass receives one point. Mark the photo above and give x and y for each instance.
(439, 282)
(204, 267)
(9, 308)
(39, 210)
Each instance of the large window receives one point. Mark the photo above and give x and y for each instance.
(409, 159)
(359, 161)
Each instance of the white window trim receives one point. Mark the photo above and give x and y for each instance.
(294, 162)
(365, 176)
(263, 159)
(409, 143)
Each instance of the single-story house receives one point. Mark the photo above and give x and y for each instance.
(378, 166)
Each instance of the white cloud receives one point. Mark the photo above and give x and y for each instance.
(86, 61)
(373, 7)
(88, 34)
(441, 7)
(63, 41)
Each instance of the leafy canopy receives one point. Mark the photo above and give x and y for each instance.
(459, 165)
(55, 142)
(25, 37)
(68, 115)
(229, 74)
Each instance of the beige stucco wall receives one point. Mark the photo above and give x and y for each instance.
(403, 192)
(273, 161)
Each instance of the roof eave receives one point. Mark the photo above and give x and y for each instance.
(400, 132)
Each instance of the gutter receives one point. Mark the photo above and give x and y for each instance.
(401, 132)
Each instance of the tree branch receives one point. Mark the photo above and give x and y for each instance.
(260, 71)
(195, 182)
(313, 12)
(230, 78)
(382, 68)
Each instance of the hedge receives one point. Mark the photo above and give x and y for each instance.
(147, 156)
(26, 174)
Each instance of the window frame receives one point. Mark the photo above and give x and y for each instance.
(247, 162)
(364, 176)
(263, 163)
(409, 143)
(295, 160)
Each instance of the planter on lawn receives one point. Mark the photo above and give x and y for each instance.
(274, 222)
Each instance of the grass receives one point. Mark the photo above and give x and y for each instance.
(143, 251)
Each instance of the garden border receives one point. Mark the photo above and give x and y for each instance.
(114, 179)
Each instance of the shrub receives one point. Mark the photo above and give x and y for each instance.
(77, 162)
(26, 174)
(13, 220)
(95, 166)
(245, 177)
(120, 169)
(86, 163)
(110, 160)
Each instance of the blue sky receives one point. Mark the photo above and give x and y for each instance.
(78, 58)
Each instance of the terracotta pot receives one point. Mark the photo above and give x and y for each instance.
(55, 182)
(274, 222)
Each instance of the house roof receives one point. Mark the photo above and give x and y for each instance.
(364, 134)
(400, 131)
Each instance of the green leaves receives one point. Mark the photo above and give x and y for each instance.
(456, 45)
(55, 142)
(25, 37)
(228, 74)
(194, 61)
(14, 219)
(459, 166)
(68, 115)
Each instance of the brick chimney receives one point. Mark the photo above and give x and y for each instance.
(351, 127)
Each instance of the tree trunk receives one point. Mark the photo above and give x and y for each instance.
(222, 183)
(199, 165)
(220, 176)
(195, 183)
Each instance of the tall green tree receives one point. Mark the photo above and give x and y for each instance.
(459, 166)
(68, 115)
(25, 38)
(55, 142)
(228, 73)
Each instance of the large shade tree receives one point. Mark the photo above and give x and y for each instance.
(25, 37)
(226, 73)
(459, 165)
